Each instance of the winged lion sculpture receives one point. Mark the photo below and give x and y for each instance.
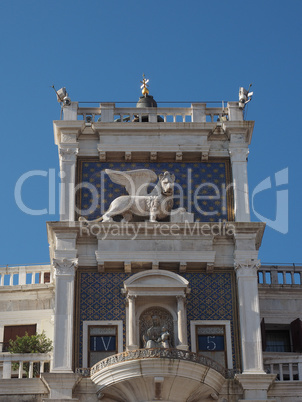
(156, 205)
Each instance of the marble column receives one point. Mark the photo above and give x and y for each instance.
(249, 315)
(64, 308)
(182, 323)
(132, 322)
(240, 183)
(68, 158)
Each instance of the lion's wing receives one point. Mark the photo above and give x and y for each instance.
(135, 181)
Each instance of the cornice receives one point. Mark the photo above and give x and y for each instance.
(206, 129)
(167, 230)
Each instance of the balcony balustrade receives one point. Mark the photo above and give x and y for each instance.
(7, 361)
(288, 367)
(157, 353)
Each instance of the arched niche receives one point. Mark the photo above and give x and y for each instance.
(152, 289)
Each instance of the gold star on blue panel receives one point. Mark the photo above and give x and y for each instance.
(201, 184)
(211, 298)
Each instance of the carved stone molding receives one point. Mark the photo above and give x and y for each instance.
(238, 154)
(102, 156)
(181, 299)
(182, 267)
(131, 297)
(127, 266)
(153, 156)
(204, 156)
(178, 156)
(68, 154)
(65, 267)
(246, 267)
(210, 267)
(128, 156)
(68, 138)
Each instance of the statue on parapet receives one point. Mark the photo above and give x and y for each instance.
(156, 205)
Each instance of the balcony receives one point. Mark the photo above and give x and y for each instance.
(287, 366)
(158, 369)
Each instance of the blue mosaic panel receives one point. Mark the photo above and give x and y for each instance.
(211, 298)
(100, 296)
(101, 299)
(200, 187)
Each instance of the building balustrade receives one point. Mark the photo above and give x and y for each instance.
(173, 354)
(276, 275)
(25, 275)
(287, 368)
(108, 112)
(36, 364)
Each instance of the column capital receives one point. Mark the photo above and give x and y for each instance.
(68, 154)
(246, 267)
(238, 153)
(131, 297)
(65, 267)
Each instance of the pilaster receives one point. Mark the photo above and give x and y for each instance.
(68, 157)
(246, 266)
(132, 322)
(255, 386)
(238, 153)
(182, 323)
(60, 386)
(64, 306)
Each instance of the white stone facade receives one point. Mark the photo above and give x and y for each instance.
(160, 263)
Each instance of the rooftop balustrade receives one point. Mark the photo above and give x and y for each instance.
(278, 275)
(25, 275)
(197, 113)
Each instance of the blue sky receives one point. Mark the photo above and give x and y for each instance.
(193, 50)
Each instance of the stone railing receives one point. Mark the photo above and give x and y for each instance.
(25, 275)
(276, 275)
(198, 112)
(159, 353)
(7, 361)
(287, 367)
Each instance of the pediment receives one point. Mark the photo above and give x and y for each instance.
(158, 279)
